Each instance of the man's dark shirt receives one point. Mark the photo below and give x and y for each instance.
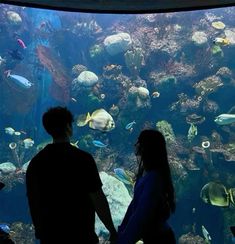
(58, 180)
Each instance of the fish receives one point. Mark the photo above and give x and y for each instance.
(100, 120)
(73, 99)
(19, 80)
(130, 125)
(192, 132)
(206, 234)
(124, 176)
(221, 41)
(75, 144)
(225, 119)
(21, 43)
(98, 143)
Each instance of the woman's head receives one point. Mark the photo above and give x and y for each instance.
(151, 148)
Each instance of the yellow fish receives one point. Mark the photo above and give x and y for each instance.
(100, 119)
(221, 41)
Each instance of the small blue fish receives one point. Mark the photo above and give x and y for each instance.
(98, 143)
(130, 125)
(122, 176)
(20, 80)
(5, 228)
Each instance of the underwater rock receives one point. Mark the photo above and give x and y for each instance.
(87, 78)
(117, 43)
(7, 167)
(14, 18)
(118, 199)
(191, 238)
(199, 38)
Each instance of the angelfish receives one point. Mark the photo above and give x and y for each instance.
(19, 80)
(225, 119)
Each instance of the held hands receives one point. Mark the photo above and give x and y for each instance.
(113, 238)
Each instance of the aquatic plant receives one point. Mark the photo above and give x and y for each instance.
(60, 87)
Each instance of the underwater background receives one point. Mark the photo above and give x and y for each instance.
(173, 72)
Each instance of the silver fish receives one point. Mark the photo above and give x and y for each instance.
(225, 119)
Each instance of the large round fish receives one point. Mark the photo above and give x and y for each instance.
(100, 119)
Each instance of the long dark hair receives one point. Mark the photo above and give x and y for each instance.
(152, 153)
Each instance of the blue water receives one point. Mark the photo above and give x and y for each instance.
(167, 49)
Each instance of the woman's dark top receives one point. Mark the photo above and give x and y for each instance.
(147, 213)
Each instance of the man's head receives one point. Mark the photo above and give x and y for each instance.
(57, 121)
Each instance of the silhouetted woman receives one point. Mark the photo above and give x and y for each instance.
(154, 199)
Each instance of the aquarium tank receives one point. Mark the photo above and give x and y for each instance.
(173, 72)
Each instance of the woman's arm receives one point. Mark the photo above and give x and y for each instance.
(145, 210)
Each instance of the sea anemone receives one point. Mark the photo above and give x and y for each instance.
(12, 145)
(206, 144)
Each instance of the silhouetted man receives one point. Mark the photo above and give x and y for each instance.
(64, 188)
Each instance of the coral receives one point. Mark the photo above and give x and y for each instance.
(60, 87)
(86, 78)
(166, 129)
(87, 28)
(217, 50)
(195, 119)
(22, 233)
(219, 25)
(230, 35)
(191, 238)
(96, 51)
(225, 74)
(117, 43)
(184, 103)
(112, 71)
(134, 60)
(138, 97)
(208, 85)
(114, 110)
(210, 106)
(14, 18)
(199, 38)
(78, 69)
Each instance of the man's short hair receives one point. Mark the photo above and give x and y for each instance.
(56, 119)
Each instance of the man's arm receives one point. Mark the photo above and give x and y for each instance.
(103, 211)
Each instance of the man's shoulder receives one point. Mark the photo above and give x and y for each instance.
(82, 153)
